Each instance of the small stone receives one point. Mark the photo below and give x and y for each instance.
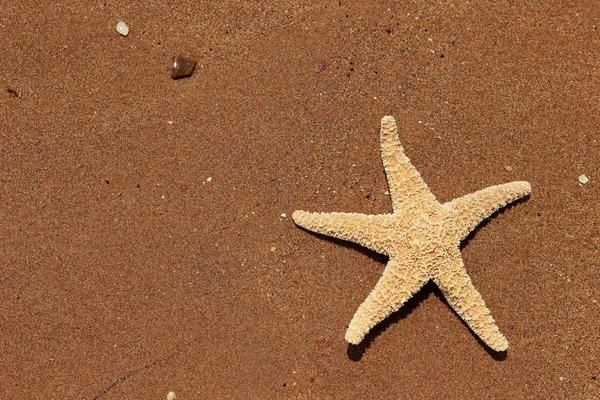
(583, 179)
(122, 28)
(508, 168)
(209, 179)
(182, 67)
(321, 66)
(171, 396)
(273, 249)
(283, 215)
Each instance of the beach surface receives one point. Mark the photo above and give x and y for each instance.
(146, 239)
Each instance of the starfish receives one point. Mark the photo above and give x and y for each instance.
(421, 237)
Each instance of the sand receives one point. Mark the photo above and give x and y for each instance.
(125, 273)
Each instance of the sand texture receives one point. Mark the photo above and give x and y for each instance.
(146, 236)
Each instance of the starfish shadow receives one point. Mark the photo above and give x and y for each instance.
(356, 352)
(487, 220)
(350, 245)
(496, 355)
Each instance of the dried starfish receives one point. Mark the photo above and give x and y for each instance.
(421, 237)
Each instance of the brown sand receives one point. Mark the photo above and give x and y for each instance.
(124, 274)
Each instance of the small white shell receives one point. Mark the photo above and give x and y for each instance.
(583, 179)
(171, 396)
(122, 28)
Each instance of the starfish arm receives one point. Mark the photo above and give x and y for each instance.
(407, 188)
(466, 212)
(366, 230)
(458, 289)
(398, 283)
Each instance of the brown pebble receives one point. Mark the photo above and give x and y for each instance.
(321, 66)
(182, 67)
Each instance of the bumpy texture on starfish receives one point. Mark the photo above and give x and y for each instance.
(421, 238)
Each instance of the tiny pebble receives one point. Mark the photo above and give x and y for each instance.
(321, 66)
(562, 378)
(273, 249)
(122, 28)
(583, 179)
(508, 168)
(284, 215)
(209, 179)
(182, 67)
(171, 396)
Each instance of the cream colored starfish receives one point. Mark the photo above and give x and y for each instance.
(421, 238)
